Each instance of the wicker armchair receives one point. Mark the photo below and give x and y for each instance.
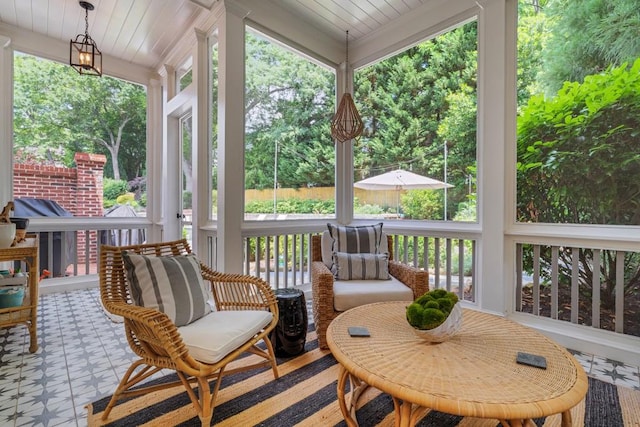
(322, 285)
(157, 341)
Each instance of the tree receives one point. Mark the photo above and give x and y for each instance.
(289, 102)
(587, 37)
(415, 102)
(58, 112)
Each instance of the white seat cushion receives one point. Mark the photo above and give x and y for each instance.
(353, 293)
(217, 334)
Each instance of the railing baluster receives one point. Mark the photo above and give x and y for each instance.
(425, 245)
(267, 260)
(294, 267)
(436, 262)
(575, 284)
(595, 290)
(247, 255)
(416, 258)
(619, 291)
(448, 262)
(405, 248)
(536, 280)
(519, 273)
(554, 281)
(460, 269)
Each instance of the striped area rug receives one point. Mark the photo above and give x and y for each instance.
(305, 395)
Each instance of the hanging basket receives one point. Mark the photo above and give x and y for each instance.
(346, 123)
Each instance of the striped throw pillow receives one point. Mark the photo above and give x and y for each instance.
(171, 284)
(361, 266)
(359, 239)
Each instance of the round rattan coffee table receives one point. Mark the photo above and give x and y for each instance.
(473, 374)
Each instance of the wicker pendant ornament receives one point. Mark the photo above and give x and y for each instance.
(346, 123)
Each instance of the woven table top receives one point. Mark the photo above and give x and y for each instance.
(473, 374)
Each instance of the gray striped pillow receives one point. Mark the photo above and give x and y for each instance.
(171, 284)
(358, 239)
(361, 266)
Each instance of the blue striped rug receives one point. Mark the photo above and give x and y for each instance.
(305, 395)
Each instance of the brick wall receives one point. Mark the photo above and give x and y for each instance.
(78, 190)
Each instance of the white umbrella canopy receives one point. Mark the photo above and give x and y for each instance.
(400, 180)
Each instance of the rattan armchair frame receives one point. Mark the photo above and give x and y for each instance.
(322, 285)
(156, 340)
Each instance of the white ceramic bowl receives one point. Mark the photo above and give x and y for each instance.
(446, 330)
(7, 234)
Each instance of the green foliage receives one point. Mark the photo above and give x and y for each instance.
(127, 199)
(187, 200)
(292, 206)
(289, 101)
(53, 120)
(430, 310)
(574, 161)
(422, 204)
(415, 102)
(112, 188)
(367, 209)
(587, 37)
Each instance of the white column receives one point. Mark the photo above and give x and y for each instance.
(231, 85)
(6, 121)
(344, 154)
(496, 148)
(171, 158)
(154, 159)
(200, 140)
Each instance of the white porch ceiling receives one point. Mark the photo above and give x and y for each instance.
(142, 32)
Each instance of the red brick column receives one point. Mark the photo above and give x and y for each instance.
(89, 185)
(78, 190)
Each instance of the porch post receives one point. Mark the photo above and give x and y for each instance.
(6, 120)
(201, 200)
(496, 148)
(344, 154)
(154, 159)
(231, 33)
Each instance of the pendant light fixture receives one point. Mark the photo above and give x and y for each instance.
(346, 123)
(84, 55)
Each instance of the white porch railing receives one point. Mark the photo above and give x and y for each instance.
(582, 285)
(282, 259)
(69, 246)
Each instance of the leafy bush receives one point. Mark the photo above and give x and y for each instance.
(292, 206)
(127, 199)
(112, 188)
(422, 204)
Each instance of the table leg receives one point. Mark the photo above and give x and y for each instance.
(33, 344)
(406, 413)
(356, 388)
(566, 419)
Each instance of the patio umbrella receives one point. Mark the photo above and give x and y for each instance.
(400, 180)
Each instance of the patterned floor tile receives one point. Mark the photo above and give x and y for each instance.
(83, 354)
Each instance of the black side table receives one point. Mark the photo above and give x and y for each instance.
(289, 336)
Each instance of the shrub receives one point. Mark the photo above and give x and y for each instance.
(112, 188)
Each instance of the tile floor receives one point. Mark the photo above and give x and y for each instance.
(82, 355)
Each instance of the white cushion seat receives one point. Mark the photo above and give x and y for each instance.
(353, 293)
(217, 334)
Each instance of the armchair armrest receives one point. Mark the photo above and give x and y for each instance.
(240, 291)
(151, 334)
(417, 280)
(321, 282)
